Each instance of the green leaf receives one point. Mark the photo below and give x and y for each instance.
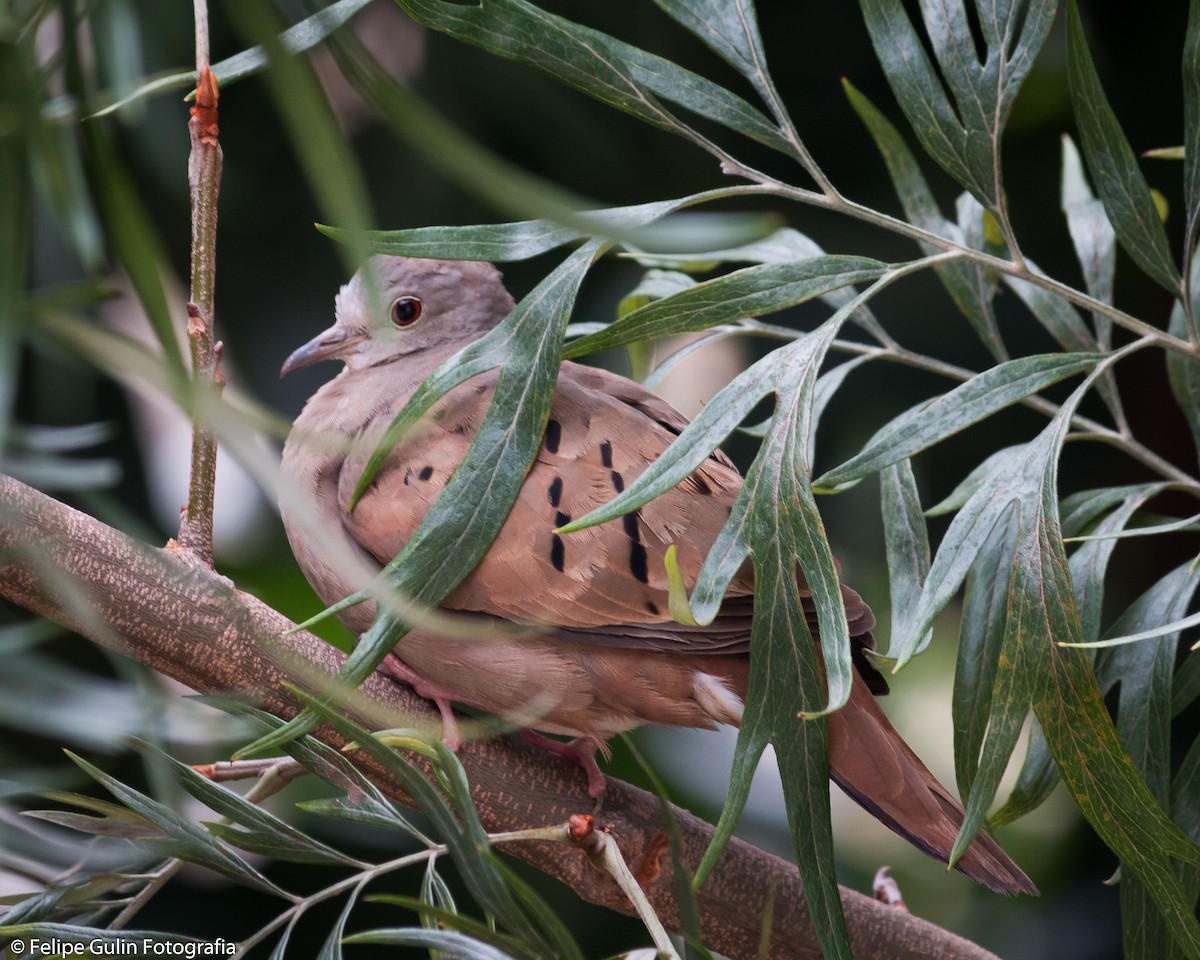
(1174, 626)
(1090, 562)
(1056, 315)
(1144, 673)
(974, 480)
(962, 137)
(1113, 166)
(1185, 809)
(514, 906)
(905, 538)
(731, 29)
(502, 242)
(1092, 235)
(1183, 372)
(750, 292)
(984, 617)
(434, 917)
(331, 949)
(114, 820)
(135, 243)
(776, 522)
(256, 830)
(782, 246)
(1105, 783)
(828, 385)
(917, 87)
(1191, 523)
(928, 423)
(1187, 685)
(116, 34)
(296, 39)
(1035, 782)
(654, 285)
(685, 895)
(1191, 125)
(774, 508)
(330, 167)
(613, 72)
(34, 148)
(969, 287)
(785, 675)
(460, 527)
(184, 839)
(1058, 681)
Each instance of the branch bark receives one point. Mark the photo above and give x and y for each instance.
(166, 609)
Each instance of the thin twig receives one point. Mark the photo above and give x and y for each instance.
(143, 896)
(1021, 271)
(204, 182)
(1093, 429)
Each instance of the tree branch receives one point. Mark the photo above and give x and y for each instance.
(164, 608)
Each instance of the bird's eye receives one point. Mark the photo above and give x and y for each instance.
(406, 311)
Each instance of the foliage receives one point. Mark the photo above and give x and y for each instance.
(520, 925)
(1035, 635)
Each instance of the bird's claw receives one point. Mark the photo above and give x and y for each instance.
(397, 669)
(580, 751)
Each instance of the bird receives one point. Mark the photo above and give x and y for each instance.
(606, 656)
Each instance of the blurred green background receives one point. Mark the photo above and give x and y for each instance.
(277, 277)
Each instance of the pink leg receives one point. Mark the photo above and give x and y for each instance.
(581, 751)
(397, 669)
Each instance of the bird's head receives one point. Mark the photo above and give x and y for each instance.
(394, 306)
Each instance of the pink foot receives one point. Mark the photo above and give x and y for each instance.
(397, 669)
(580, 751)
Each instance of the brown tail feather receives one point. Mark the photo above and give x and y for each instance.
(872, 763)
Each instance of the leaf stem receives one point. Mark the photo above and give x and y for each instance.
(157, 881)
(1012, 268)
(1120, 439)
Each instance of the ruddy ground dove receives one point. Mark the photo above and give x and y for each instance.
(609, 656)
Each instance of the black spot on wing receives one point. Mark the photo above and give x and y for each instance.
(426, 472)
(555, 491)
(553, 436)
(558, 551)
(638, 564)
(700, 484)
(606, 453)
(630, 520)
(652, 607)
(618, 481)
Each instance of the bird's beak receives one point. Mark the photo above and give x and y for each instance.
(324, 346)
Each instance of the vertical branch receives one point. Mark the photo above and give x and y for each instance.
(204, 182)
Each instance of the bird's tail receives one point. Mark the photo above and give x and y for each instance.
(872, 763)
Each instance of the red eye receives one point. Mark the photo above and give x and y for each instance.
(406, 311)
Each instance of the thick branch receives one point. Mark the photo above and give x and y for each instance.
(162, 607)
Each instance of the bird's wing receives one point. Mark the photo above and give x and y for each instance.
(606, 584)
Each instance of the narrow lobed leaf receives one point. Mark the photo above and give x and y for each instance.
(1113, 166)
(750, 292)
(601, 66)
(928, 423)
